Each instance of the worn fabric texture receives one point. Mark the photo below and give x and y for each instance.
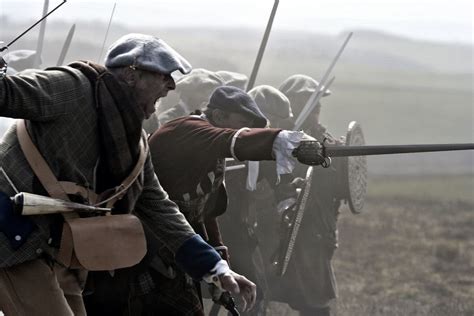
(60, 106)
(188, 154)
(120, 129)
(19, 295)
(310, 274)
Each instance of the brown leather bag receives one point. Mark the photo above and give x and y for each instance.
(102, 243)
(94, 243)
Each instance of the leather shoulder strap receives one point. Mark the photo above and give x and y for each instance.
(121, 189)
(38, 164)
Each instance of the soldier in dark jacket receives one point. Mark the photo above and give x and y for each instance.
(309, 284)
(248, 227)
(189, 158)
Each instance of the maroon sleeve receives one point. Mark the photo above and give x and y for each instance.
(200, 137)
(255, 144)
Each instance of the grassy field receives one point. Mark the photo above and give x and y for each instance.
(411, 252)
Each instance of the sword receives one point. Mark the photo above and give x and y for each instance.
(313, 153)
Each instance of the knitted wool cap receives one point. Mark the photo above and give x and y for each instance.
(234, 79)
(198, 85)
(298, 89)
(271, 101)
(145, 52)
(232, 99)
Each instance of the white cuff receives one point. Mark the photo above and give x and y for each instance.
(220, 268)
(283, 146)
(234, 139)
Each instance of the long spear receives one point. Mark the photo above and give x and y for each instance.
(263, 45)
(66, 45)
(315, 97)
(107, 33)
(42, 30)
(28, 29)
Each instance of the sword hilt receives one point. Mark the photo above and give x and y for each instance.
(311, 152)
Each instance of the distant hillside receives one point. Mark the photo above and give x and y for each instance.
(399, 89)
(368, 48)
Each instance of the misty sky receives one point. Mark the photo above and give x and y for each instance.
(444, 20)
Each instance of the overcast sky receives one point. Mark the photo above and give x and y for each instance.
(443, 20)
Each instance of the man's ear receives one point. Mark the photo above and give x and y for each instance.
(131, 77)
(217, 115)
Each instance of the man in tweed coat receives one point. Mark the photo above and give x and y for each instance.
(76, 115)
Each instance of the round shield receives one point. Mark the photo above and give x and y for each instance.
(355, 177)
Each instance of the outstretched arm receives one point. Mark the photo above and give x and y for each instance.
(43, 95)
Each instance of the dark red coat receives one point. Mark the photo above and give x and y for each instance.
(188, 156)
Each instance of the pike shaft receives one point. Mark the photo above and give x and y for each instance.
(107, 32)
(310, 104)
(36, 23)
(261, 50)
(66, 45)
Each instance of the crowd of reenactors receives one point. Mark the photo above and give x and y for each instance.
(86, 120)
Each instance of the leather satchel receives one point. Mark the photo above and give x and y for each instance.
(102, 243)
(96, 243)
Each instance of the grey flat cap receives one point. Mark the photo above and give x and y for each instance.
(234, 79)
(145, 52)
(298, 89)
(271, 101)
(235, 100)
(198, 86)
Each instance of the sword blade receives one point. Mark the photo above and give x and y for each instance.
(368, 150)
